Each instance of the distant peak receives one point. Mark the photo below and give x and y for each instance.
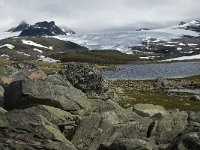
(23, 23)
(52, 22)
(45, 28)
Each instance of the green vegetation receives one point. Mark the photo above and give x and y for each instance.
(129, 92)
(97, 56)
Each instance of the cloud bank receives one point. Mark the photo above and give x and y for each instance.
(98, 15)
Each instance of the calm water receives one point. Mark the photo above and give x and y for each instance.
(153, 71)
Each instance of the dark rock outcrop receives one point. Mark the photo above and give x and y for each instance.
(85, 78)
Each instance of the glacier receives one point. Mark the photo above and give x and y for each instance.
(115, 40)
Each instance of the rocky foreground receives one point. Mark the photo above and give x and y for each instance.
(71, 110)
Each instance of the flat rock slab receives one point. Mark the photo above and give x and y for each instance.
(149, 110)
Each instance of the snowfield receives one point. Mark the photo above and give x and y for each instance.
(177, 32)
(183, 58)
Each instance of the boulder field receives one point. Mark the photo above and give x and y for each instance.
(66, 111)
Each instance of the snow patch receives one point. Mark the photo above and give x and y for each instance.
(179, 48)
(8, 46)
(181, 44)
(25, 54)
(47, 59)
(27, 42)
(149, 57)
(169, 45)
(51, 47)
(40, 51)
(4, 55)
(191, 44)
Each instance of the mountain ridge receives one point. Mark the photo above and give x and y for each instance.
(42, 28)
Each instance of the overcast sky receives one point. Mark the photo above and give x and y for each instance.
(98, 15)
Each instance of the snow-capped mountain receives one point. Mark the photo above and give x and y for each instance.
(39, 29)
(193, 25)
(44, 29)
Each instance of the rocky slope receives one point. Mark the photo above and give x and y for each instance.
(35, 48)
(50, 112)
(175, 47)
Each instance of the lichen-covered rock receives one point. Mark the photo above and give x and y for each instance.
(85, 78)
(19, 71)
(35, 128)
(168, 127)
(149, 110)
(51, 91)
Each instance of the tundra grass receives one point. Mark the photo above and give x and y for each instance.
(131, 92)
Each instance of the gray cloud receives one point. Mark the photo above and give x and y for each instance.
(97, 15)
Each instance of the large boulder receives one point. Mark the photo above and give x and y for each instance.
(149, 110)
(115, 114)
(35, 128)
(189, 140)
(51, 91)
(91, 132)
(167, 128)
(19, 71)
(85, 78)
